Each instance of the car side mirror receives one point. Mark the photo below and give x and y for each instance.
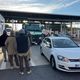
(48, 45)
(79, 45)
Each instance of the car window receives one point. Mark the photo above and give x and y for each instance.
(64, 43)
(44, 41)
(48, 42)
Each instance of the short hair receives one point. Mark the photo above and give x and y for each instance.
(22, 31)
(4, 32)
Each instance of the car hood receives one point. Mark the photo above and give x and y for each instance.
(35, 33)
(68, 52)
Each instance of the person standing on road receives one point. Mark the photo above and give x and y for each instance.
(11, 48)
(3, 38)
(23, 51)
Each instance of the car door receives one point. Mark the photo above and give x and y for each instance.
(43, 46)
(48, 48)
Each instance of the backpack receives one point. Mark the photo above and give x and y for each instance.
(22, 43)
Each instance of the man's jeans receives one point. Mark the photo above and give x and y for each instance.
(26, 61)
(4, 52)
(15, 59)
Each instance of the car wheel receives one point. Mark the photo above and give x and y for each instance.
(41, 52)
(52, 62)
(38, 43)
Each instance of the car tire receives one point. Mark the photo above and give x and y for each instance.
(38, 43)
(52, 62)
(41, 51)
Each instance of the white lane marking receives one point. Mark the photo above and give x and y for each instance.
(3, 65)
(32, 63)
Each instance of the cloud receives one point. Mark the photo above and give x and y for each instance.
(22, 5)
(35, 6)
(69, 4)
(10, 2)
(61, 4)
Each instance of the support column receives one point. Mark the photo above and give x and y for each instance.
(15, 25)
(71, 28)
(46, 24)
(12, 24)
(78, 32)
(61, 27)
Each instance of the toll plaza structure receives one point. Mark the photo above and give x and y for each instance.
(44, 18)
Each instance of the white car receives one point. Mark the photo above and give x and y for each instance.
(62, 53)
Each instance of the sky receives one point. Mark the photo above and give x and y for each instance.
(66, 7)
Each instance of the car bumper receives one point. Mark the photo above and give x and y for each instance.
(36, 39)
(68, 66)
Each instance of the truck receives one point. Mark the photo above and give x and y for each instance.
(2, 24)
(35, 29)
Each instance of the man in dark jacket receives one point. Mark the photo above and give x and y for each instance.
(23, 51)
(3, 38)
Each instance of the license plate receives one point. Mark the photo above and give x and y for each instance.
(77, 65)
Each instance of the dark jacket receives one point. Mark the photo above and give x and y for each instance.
(3, 38)
(22, 43)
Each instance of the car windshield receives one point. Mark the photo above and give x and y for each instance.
(33, 28)
(64, 43)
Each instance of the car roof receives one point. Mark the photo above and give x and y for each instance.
(54, 37)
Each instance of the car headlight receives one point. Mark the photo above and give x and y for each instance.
(39, 37)
(62, 58)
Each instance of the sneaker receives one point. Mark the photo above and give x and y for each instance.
(21, 73)
(29, 72)
(11, 67)
(16, 66)
(5, 60)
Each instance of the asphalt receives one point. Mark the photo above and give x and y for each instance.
(1, 56)
(44, 72)
(41, 70)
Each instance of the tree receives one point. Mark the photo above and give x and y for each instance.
(7, 26)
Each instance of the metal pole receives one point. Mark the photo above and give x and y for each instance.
(71, 28)
(61, 28)
(12, 24)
